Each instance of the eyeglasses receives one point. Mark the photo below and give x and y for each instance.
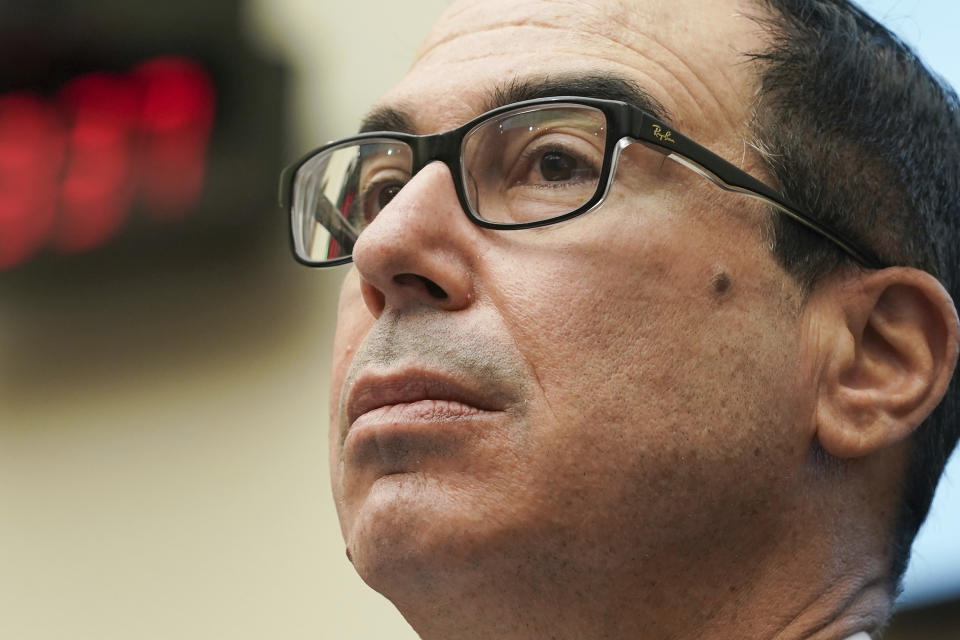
(525, 165)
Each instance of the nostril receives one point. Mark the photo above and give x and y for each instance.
(435, 290)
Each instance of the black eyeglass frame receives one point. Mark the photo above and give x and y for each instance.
(625, 124)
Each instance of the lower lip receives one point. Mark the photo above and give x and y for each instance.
(422, 412)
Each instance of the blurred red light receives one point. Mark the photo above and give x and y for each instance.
(178, 96)
(178, 110)
(108, 140)
(32, 143)
(97, 186)
(91, 212)
(103, 99)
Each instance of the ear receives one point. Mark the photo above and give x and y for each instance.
(887, 347)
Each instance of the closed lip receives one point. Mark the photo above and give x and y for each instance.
(372, 391)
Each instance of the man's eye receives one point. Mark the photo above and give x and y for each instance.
(373, 199)
(387, 194)
(554, 167)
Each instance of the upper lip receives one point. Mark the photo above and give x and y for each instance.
(372, 391)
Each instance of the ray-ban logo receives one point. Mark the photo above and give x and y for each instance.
(663, 136)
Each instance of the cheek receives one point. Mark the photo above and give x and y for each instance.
(353, 323)
(586, 320)
(622, 300)
(640, 358)
(657, 400)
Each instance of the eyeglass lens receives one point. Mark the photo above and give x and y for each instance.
(522, 166)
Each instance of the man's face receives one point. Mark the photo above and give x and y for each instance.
(615, 390)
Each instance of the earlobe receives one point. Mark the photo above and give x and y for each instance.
(888, 342)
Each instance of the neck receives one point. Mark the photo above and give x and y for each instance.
(837, 612)
(791, 590)
(811, 566)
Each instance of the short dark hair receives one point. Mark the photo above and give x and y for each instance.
(856, 131)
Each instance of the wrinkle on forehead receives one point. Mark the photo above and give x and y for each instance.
(584, 15)
(696, 47)
(524, 32)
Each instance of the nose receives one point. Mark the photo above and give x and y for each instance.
(418, 250)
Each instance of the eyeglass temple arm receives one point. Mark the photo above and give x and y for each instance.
(731, 178)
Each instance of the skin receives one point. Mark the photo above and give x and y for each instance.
(636, 459)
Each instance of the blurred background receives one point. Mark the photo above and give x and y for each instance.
(163, 362)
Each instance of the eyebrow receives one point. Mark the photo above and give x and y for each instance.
(387, 119)
(605, 86)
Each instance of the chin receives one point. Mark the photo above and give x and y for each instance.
(415, 532)
(406, 529)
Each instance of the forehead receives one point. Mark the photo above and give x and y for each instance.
(687, 54)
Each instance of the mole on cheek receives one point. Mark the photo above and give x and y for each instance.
(721, 283)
